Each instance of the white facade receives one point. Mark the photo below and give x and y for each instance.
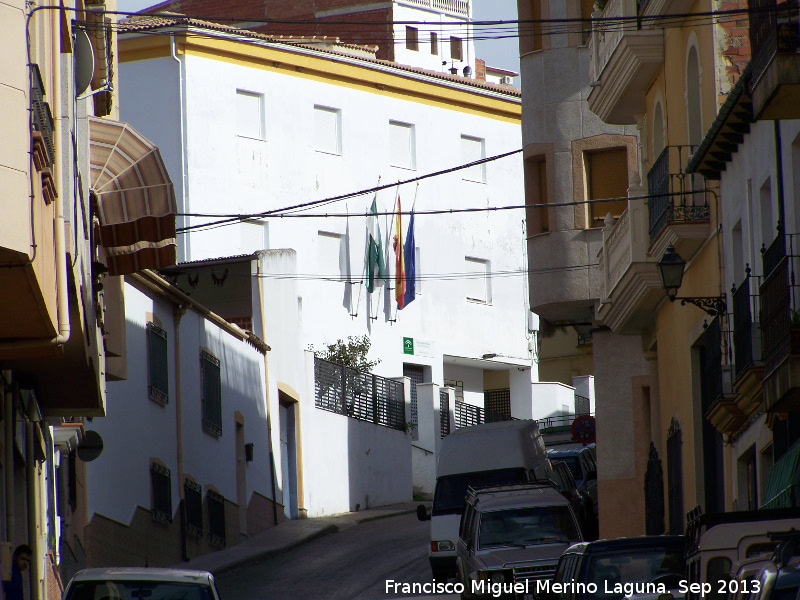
(249, 138)
(137, 429)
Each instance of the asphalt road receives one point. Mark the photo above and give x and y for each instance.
(352, 564)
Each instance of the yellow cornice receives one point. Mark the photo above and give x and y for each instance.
(365, 77)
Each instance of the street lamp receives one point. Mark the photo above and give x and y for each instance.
(670, 268)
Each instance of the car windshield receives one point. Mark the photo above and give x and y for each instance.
(527, 526)
(574, 465)
(138, 590)
(448, 498)
(632, 566)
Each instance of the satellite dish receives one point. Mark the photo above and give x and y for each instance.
(84, 62)
(90, 447)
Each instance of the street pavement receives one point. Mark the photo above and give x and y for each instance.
(287, 535)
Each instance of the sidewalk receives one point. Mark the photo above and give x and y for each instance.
(289, 534)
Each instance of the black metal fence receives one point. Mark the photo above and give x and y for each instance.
(498, 404)
(582, 405)
(444, 413)
(467, 415)
(744, 307)
(361, 396)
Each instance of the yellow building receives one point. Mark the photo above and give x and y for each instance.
(667, 78)
(80, 196)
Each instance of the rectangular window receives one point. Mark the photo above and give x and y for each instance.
(157, 364)
(250, 115)
(254, 236)
(477, 278)
(330, 247)
(212, 393)
(473, 149)
(606, 177)
(401, 145)
(412, 38)
(537, 219)
(434, 43)
(193, 495)
(216, 518)
(161, 492)
(328, 130)
(456, 51)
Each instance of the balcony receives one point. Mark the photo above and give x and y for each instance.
(564, 284)
(775, 40)
(748, 370)
(624, 61)
(452, 7)
(631, 287)
(677, 214)
(717, 401)
(779, 327)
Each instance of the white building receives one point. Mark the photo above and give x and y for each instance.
(251, 125)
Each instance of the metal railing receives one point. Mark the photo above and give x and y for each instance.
(671, 191)
(773, 29)
(711, 375)
(581, 405)
(745, 305)
(444, 413)
(455, 7)
(361, 396)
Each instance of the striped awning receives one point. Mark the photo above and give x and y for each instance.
(784, 480)
(135, 198)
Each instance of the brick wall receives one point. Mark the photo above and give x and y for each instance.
(734, 43)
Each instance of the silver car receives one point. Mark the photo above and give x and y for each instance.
(511, 537)
(126, 583)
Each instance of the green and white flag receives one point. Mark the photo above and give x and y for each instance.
(375, 264)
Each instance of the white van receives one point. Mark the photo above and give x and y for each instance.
(478, 456)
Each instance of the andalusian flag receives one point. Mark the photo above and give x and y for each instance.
(375, 264)
(399, 267)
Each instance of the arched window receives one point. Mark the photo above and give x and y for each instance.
(658, 130)
(693, 107)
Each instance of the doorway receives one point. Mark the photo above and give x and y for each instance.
(288, 420)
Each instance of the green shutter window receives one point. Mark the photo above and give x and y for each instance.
(158, 365)
(212, 394)
(161, 493)
(216, 518)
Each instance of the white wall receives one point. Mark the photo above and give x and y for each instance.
(347, 462)
(549, 400)
(134, 422)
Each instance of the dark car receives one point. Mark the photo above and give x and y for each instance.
(582, 462)
(580, 501)
(131, 583)
(592, 570)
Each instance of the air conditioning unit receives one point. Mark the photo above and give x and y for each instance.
(507, 80)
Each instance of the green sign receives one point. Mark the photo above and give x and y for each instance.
(408, 345)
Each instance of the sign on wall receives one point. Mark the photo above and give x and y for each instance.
(408, 345)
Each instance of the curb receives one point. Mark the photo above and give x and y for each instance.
(259, 556)
(386, 516)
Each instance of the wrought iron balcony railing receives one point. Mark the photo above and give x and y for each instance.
(711, 376)
(674, 195)
(773, 29)
(745, 305)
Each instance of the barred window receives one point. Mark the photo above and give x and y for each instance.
(216, 518)
(212, 394)
(193, 495)
(158, 364)
(161, 493)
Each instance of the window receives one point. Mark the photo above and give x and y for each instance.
(157, 364)
(328, 130)
(477, 280)
(161, 493)
(412, 38)
(606, 177)
(254, 235)
(693, 102)
(212, 393)
(249, 115)
(193, 499)
(473, 149)
(456, 52)
(216, 518)
(536, 219)
(434, 43)
(401, 145)
(330, 249)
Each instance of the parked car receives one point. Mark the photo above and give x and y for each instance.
(580, 501)
(482, 455)
(778, 581)
(126, 583)
(582, 462)
(512, 534)
(598, 567)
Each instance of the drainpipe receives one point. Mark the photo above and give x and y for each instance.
(8, 437)
(33, 537)
(179, 311)
(779, 175)
(266, 394)
(182, 103)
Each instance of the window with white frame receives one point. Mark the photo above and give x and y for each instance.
(412, 38)
(456, 49)
(402, 145)
(330, 248)
(327, 130)
(254, 235)
(250, 114)
(477, 278)
(473, 149)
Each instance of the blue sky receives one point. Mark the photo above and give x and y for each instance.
(502, 53)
